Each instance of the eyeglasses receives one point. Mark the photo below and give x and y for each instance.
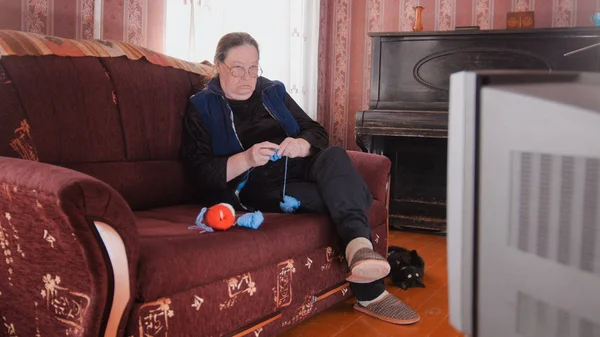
(239, 71)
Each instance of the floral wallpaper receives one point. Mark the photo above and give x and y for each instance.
(134, 21)
(345, 48)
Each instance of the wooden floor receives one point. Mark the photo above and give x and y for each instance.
(430, 302)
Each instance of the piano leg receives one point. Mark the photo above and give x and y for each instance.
(365, 142)
(370, 143)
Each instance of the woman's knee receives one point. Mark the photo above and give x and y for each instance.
(335, 158)
(336, 152)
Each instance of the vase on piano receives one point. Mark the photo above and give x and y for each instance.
(418, 26)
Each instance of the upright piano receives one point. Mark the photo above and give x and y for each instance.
(407, 118)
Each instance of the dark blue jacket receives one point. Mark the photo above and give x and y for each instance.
(217, 115)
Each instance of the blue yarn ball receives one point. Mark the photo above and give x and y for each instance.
(289, 204)
(251, 220)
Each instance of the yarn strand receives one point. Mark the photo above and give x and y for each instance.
(289, 204)
(285, 174)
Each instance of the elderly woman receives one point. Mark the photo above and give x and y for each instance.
(234, 127)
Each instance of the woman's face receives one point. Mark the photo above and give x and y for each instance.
(234, 72)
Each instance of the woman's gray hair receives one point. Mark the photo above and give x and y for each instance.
(232, 40)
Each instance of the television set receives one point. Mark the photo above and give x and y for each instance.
(523, 203)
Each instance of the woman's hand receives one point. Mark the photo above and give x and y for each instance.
(294, 148)
(259, 154)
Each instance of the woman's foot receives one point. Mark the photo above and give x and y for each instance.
(388, 308)
(365, 264)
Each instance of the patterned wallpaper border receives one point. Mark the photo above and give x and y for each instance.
(37, 16)
(125, 20)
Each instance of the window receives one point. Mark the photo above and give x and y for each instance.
(287, 32)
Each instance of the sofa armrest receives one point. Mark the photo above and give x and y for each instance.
(375, 169)
(64, 235)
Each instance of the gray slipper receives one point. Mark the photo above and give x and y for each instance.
(367, 266)
(390, 309)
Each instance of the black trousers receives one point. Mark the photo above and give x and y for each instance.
(331, 185)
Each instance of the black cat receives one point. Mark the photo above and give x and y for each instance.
(407, 267)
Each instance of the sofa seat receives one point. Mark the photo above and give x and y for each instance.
(171, 259)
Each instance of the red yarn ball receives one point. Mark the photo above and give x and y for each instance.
(220, 217)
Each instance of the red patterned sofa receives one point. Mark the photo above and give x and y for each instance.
(95, 208)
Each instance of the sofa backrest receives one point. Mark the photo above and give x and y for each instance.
(113, 117)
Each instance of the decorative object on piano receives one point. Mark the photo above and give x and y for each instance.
(520, 20)
(595, 19)
(418, 26)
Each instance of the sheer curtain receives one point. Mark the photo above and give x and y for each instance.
(287, 32)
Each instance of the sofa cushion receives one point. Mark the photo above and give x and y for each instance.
(143, 183)
(151, 101)
(174, 258)
(68, 107)
(15, 140)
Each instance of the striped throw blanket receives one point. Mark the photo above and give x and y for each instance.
(17, 43)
